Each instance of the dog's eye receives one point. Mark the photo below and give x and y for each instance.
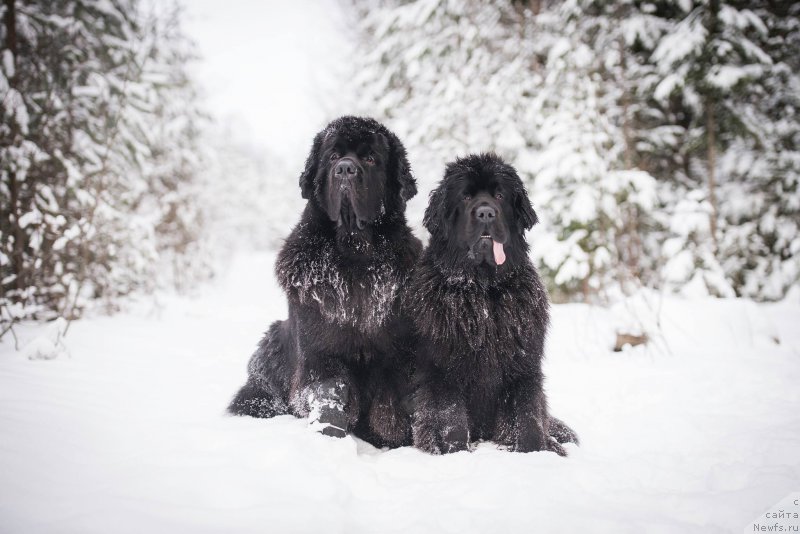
(334, 156)
(467, 198)
(498, 196)
(370, 159)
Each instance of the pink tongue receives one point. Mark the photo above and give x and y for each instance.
(499, 254)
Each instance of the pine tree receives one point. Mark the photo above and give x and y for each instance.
(448, 76)
(761, 247)
(596, 201)
(178, 155)
(659, 138)
(82, 82)
(726, 88)
(525, 80)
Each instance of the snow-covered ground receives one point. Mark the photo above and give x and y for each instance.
(698, 433)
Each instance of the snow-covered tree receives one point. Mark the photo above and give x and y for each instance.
(596, 203)
(535, 82)
(179, 155)
(448, 76)
(659, 138)
(760, 249)
(90, 141)
(725, 83)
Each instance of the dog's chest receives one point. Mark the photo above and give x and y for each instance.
(491, 322)
(360, 296)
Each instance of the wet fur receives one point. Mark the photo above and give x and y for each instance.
(344, 340)
(481, 327)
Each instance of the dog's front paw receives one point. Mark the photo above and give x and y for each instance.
(390, 423)
(440, 439)
(530, 437)
(562, 433)
(327, 408)
(554, 446)
(454, 439)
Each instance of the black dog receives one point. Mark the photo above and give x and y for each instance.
(483, 319)
(341, 356)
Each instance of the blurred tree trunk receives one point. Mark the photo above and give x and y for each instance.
(10, 20)
(10, 23)
(711, 127)
(713, 25)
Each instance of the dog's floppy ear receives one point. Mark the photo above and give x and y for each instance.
(524, 208)
(310, 171)
(435, 213)
(399, 166)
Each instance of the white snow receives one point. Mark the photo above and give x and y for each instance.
(50, 344)
(685, 39)
(699, 432)
(7, 62)
(726, 76)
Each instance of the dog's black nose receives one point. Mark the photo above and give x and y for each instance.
(485, 214)
(345, 168)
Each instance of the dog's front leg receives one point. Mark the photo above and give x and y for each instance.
(441, 422)
(332, 400)
(388, 417)
(529, 417)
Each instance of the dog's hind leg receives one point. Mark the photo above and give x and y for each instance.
(266, 391)
(561, 432)
(255, 401)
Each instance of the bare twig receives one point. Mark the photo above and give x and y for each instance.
(8, 328)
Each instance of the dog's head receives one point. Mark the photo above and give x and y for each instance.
(357, 173)
(480, 211)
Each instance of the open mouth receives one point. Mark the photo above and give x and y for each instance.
(498, 251)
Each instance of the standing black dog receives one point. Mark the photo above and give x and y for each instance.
(483, 319)
(341, 356)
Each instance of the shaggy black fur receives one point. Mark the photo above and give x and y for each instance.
(341, 357)
(483, 319)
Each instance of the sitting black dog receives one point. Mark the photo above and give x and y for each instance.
(481, 314)
(342, 357)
